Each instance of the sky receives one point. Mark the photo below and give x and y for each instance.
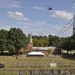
(34, 16)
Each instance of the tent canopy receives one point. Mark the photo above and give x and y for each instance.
(36, 53)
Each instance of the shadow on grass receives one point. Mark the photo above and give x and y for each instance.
(7, 54)
(68, 56)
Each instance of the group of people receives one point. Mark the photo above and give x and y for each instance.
(33, 65)
(47, 72)
(71, 64)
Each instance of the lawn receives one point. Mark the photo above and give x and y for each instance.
(13, 65)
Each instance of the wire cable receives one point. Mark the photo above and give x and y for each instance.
(64, 27)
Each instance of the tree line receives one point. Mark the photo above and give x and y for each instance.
(15, 39)
(66, 43)
(12, 40)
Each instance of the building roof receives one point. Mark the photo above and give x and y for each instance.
(36, 53)
(43, 48)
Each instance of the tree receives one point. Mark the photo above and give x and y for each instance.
(3, 39)
(67, 44)
(35, 42)
(16, 40)
(40, 41)
(54, 40)
(50, 40)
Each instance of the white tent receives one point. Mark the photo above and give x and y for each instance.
(35, 54)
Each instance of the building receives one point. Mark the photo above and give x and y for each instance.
(45, 50)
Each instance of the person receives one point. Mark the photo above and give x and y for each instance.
(48, 72)
(58, 72)
(21, 72)
(66, 72)
(35, 72)
(52, 72)
(70, 71)
(30, 72)
(16, 57)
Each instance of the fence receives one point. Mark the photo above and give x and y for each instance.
(38, 72)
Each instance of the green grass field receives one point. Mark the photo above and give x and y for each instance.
(29, 63)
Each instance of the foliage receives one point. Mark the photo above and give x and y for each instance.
(12, 40)
(3, 40)
(16, 40)
(54, 40)
(40, 41)
(68, 43)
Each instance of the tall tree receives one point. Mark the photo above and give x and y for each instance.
(16, 40)
(3, 39)
(54, 40)
(50, 40)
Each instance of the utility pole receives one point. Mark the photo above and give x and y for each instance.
(74, 25)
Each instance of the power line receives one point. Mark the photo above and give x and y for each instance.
(64, 27)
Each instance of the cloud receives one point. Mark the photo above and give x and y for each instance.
(38, 8)
(16, 15)
(9, 4)
(29, 24)
(73, 5)
(38, 30)
(38, 23)
(7, 27)
(34, 27)
(62, 14)
(14, 5)
(26, 26)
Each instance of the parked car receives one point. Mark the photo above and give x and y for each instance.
(2, 65)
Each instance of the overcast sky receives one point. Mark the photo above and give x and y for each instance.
(33, 16)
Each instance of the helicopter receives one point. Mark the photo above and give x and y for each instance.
(49, 8)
